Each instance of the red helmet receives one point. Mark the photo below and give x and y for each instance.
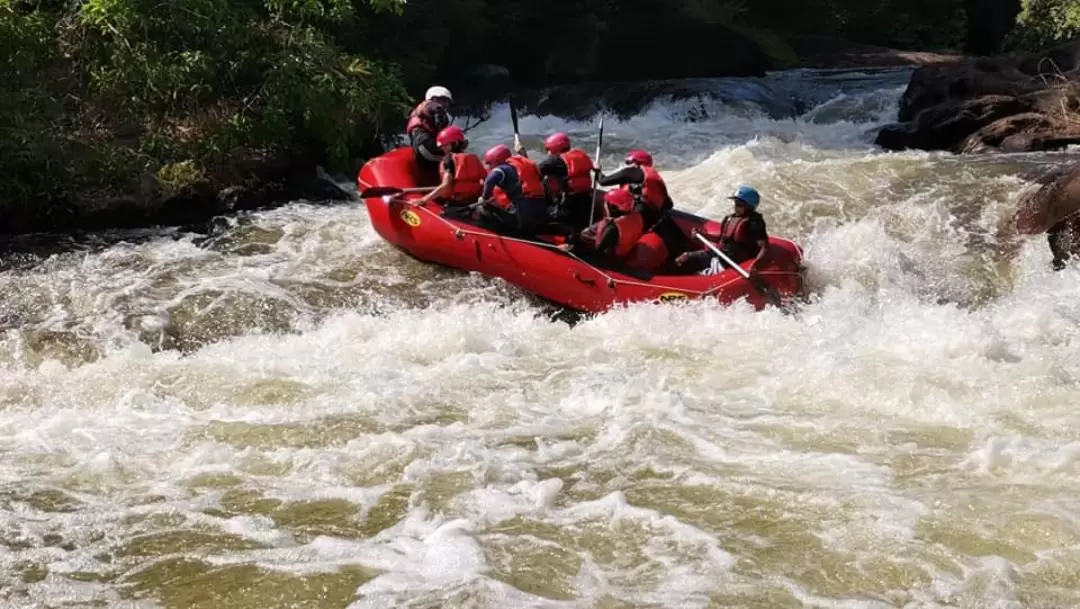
(557, 143)
(451, 135)
(640, 157)
(496, 155)
(620, 199)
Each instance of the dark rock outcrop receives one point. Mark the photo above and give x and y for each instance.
(1012, 103)
(823, 52)
(264, 185)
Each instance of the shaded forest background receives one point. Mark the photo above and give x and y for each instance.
(146, 97)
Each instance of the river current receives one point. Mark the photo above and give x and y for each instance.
(290, 413)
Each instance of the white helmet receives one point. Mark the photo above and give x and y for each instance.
(438, 91)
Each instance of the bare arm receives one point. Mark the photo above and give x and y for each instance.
(761, 239)
(440, 190)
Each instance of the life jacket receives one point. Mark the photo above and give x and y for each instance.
(733, 238)
(423, 117)
(528, 174)
(653, 189)
(469, 174)
(651, 192)
(650, 254)
(631, 226)
(733, 229)
(578, 171)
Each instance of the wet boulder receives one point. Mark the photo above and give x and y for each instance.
(1054, 201)
(1014, 103)
(1053, 207)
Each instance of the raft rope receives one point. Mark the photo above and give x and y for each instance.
(612, 282)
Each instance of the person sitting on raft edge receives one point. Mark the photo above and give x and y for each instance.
(743, 236)
(462, 173)
(426, 120)
(613, 237)
(513, 181)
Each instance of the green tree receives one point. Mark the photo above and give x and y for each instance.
(1042, 23)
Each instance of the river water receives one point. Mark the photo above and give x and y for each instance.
(292, 414)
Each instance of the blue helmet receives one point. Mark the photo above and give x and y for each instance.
(747, 195)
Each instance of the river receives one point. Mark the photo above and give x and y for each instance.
(292, 414)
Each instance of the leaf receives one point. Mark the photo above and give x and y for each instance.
(358, 67)
(394, 7)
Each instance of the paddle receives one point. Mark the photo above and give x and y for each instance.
(762, 288)
(596, 174)
(382, 191)
(514, 119)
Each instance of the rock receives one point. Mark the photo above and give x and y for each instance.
(235, 198)
(192, 203)
(947, 126)
(1014, 132)
(326, 186)
(1041, 174)
(1040, 209)
(943, 83)
(1014, 103)
(247, 185)
(148, 187)
(1059, 59)
(897, 136)
(824, 52)
(1064, 241)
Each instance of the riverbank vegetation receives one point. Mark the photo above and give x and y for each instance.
(1042, 23)
(143, 101)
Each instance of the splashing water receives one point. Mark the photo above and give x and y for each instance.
(292, 414)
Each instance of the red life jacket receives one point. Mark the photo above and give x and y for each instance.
(578, 171)
(468, 179)
(423, 117)
(528, 176)
(650, 254)
(653, 189)
(652, 192)
(532, 186)
(734, 240)
(630, 226)
(733, 230)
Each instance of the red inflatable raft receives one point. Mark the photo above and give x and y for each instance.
(566, 278)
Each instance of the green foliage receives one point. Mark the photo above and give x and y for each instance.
(175, 176)
(1041, 23)
(104, 91)
(25, 110)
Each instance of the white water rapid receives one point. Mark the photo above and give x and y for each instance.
(293, 414)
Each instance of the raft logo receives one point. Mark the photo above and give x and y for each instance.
(671, 296)
(410, 217)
